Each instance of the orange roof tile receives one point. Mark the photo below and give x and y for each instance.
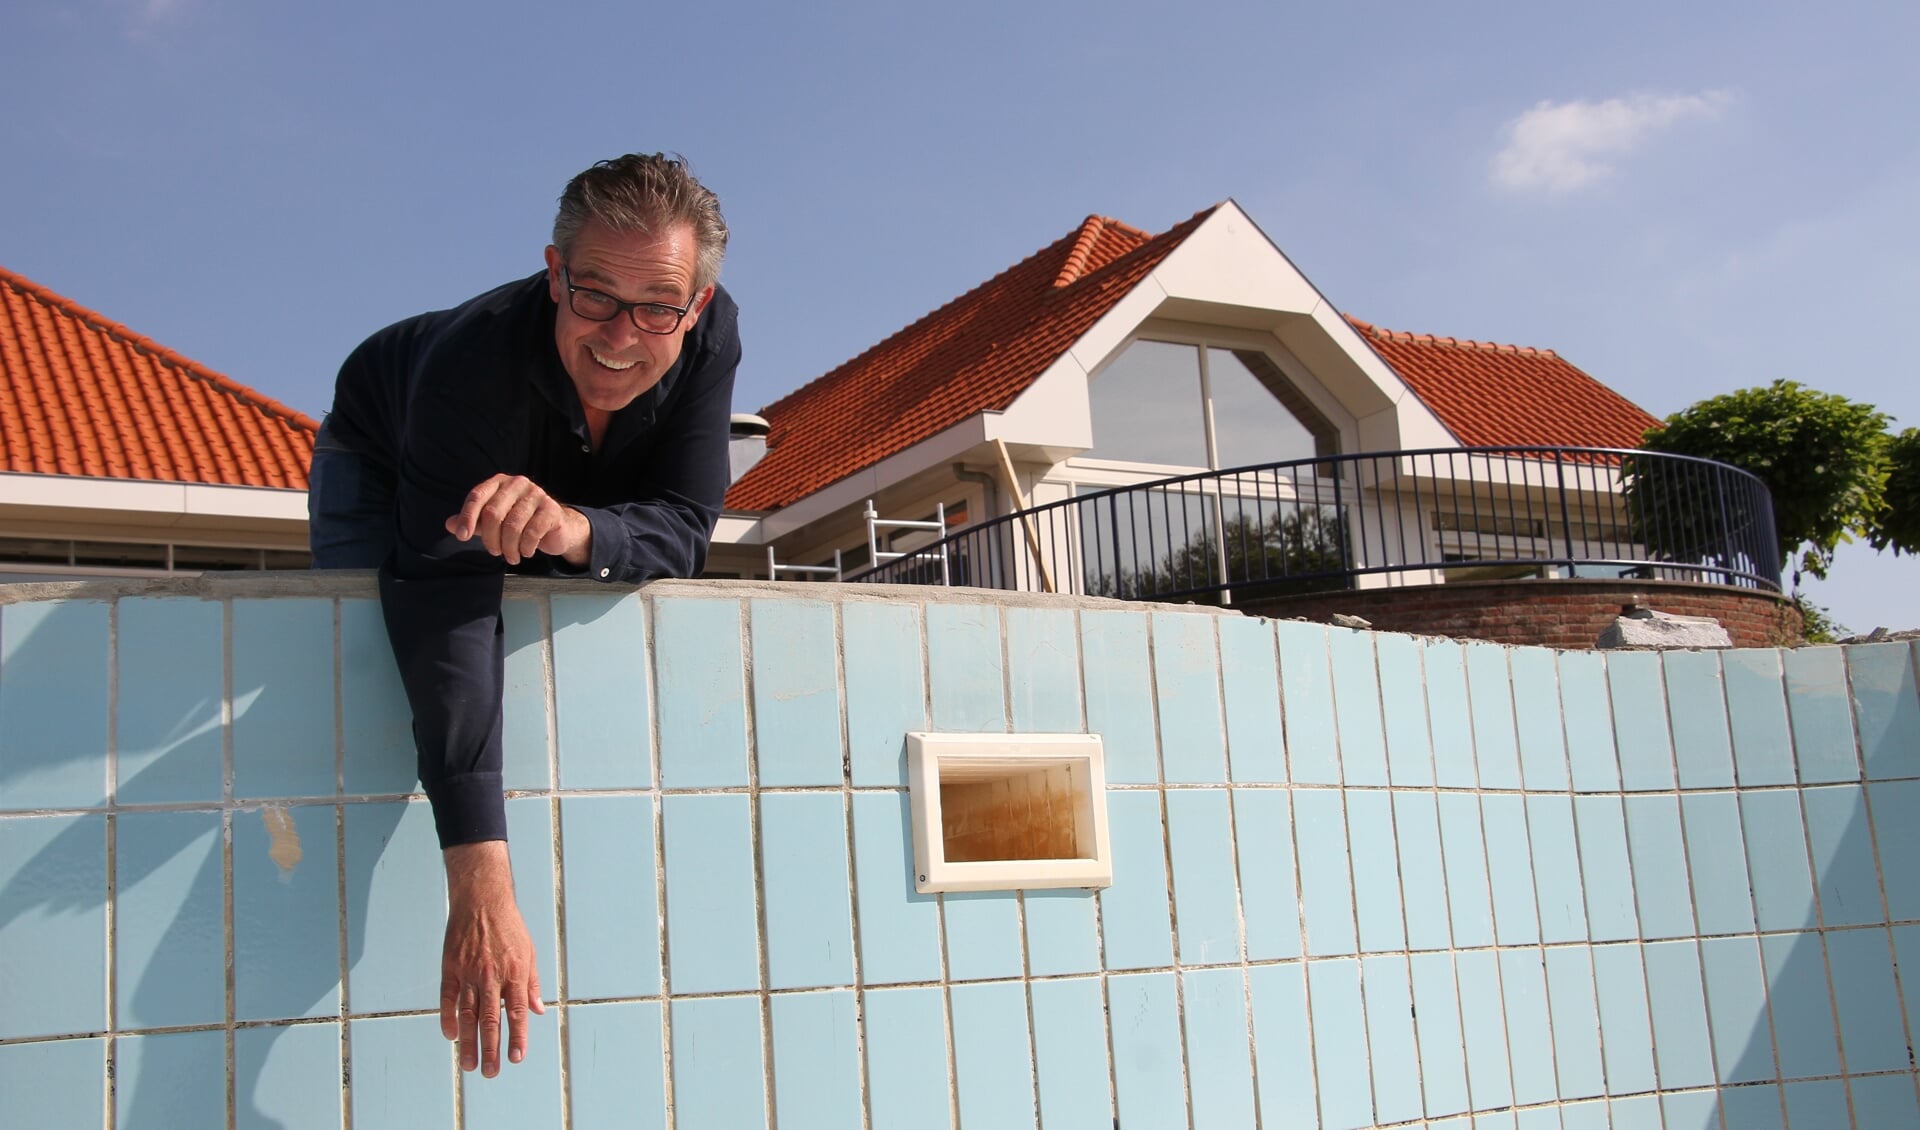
(975, 354)
(80, 395)
(1493, 395)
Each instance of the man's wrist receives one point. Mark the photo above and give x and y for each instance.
(484, 864)
(579, 539)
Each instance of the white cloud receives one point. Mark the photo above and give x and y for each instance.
(1560, 146)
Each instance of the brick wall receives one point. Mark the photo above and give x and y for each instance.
(1569, 613)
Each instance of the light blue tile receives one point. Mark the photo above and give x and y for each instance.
(1717, 863)
(1393, 1056)
(1490, 690)
(376, 724)
(57, 1083)
(907, 1057)
(719, 1073)
(1403, 693)
(1842, 855)
(1591, 758)
(711, 924)
(282, 728)
(803, 843)
(899, 928)
(1737, 1009)
(601, 719)
(1659, 867)
(168, 661)
(1145, 1018)
(983, 934)
(1199, 835)
(992, 1072)
(1113, 646)
(1423, 877)
(530, 841)
(886, 693)
(1757, 715)
(1043, 670)
(1133, 912)
(1070, 1053)
(1523, 985)
(1269, 905)
(169, 920)
(1691, 1110)
(1872, 1033)
(404, 1072)
(1449, 716)
(1326, 888)
(1539, 1118)
(53, 704)
(396, 907)
(1606, 869)
(1376, 874)
(1896, 831)
(1187, 688)
(1777, 861)
(1802, 1006)
(1443, 1051)
(613, 897)
(1306, 687)
(1640, 1110)
(287, 1078)
(53, 915)
(816, 1060)
(701, 699)
(1816, 1105)
(1753, 1108)
(1062, 935)
(1356, 704)
(1884, 1100)
(1250, 678)
(171, 1080)
(1886, 708)
(1499, 1120)
(1483, 1021)
(1340, 1043)
(1220, 1063)
(964, 668)
(615, 1065)
(796, 693)
(1586, 1116)
(1537, 717)
(1510, 868)
(1823, 741)
(1576, 1022)
(1702, 744)
(1556, 869)
(1640, 720)
(1619, 982)
(526, 763)
(1468, 899)
(1678, 1002)
(286, 913)
(1282, 1045)
(1906, 951)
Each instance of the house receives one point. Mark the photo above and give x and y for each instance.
(120, 457)
(1115, 357)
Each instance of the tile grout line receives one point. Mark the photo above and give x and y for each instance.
(1399, 884)
(756, 836)
(1299, 867)
(226, 848)
(111, 924)
(1099, 898)
(925, 625)
(1233, 848)
(556, 842)
(1166, 857)
(862, 1070)
(340, 864)
(1001, 617)
(650, 680)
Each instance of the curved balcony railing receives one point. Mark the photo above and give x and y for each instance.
(1408, 517)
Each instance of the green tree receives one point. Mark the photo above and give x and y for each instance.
(1897, 527)
(1821, 456)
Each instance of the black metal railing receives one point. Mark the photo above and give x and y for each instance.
(1310, 525)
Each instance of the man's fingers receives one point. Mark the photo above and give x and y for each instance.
(466, 522)
(517, 1022)
(469, 1029)
(449, 1008)
(489, 1029)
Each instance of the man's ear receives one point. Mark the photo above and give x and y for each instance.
(556, 286)
(699, 306)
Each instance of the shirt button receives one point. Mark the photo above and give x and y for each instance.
(605, 572)
(587, 447)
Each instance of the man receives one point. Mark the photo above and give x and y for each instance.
(570, 424)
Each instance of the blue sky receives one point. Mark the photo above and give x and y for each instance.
(1682, 199)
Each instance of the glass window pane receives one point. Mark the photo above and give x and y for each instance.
(1250, 425)
(1146, 406)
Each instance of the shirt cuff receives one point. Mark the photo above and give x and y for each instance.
(468, 809)
(607, 556)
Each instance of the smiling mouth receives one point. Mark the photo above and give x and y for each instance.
(610, 363)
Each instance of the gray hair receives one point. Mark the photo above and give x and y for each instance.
(645, 193)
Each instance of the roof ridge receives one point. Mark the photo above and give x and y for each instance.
(1151, 241)
(144, 344)
(1083, 245)
(1455, 342)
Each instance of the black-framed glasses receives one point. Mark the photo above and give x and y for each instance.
(647, 317)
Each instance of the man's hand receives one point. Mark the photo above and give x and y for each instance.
(514, 517)
(488, 956)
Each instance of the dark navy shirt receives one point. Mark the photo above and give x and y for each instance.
(449, 399)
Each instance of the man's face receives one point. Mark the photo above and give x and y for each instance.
(613, 362)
